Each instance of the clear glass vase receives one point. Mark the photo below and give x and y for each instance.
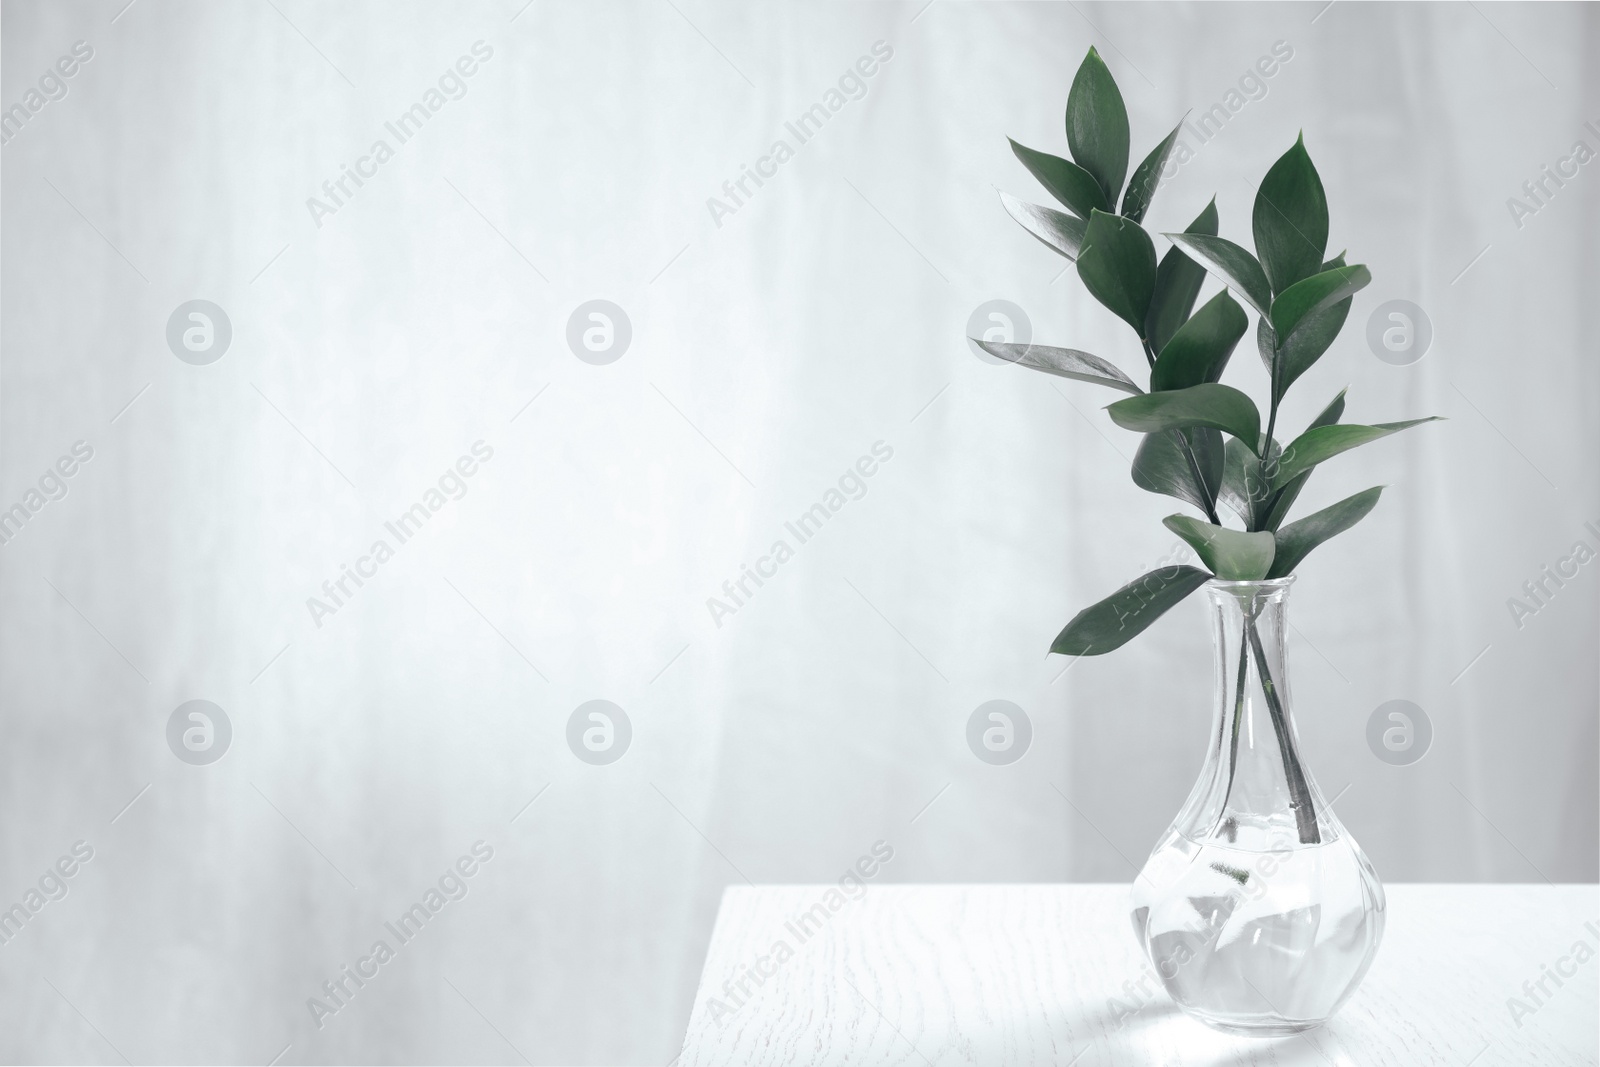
(1259, 912)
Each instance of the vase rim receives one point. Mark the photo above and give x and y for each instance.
(1269, 584)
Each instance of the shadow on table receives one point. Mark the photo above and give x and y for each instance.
(1113, 1036)
(1314, 1048)
(1085, 1038)
(1108, 1035)
(1296, 1051)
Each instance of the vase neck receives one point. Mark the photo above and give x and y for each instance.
(1253, 793)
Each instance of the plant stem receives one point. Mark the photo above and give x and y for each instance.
(1305, 815)
(1272, 416)
(1272, 374)
(1238, 713)
(1272, 424)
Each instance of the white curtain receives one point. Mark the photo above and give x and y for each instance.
(781, 333)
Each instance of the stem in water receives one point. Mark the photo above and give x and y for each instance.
(1305, 815)
(1233, 745)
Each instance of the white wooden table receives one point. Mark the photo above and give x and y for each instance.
(1024, 974)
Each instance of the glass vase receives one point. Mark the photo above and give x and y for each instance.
(1257, 909)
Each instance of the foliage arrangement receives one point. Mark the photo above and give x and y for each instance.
(1204, 442)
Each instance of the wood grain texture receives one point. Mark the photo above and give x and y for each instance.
(1024, 974)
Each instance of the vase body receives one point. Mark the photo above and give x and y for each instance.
(1257, 909)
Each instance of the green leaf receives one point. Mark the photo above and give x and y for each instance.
(1245, 488)
(1160, 465)
(1067, 182)
(1299, 538)
(1330, 414)
(1097, 125)
(1199, 351)
(1314, 337)
(1128, 612)
(1118, 266)
(1232, 555)
(1147, 178)
(1291, 220)
(1220, 407)
(1306, 345)
(1323, 443)
(1065, 362)
(1317, 293)
(1056, 230)
(1283, 499)
(1178, 282)
(1233, 264)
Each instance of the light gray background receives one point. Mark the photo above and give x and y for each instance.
(768, 354)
